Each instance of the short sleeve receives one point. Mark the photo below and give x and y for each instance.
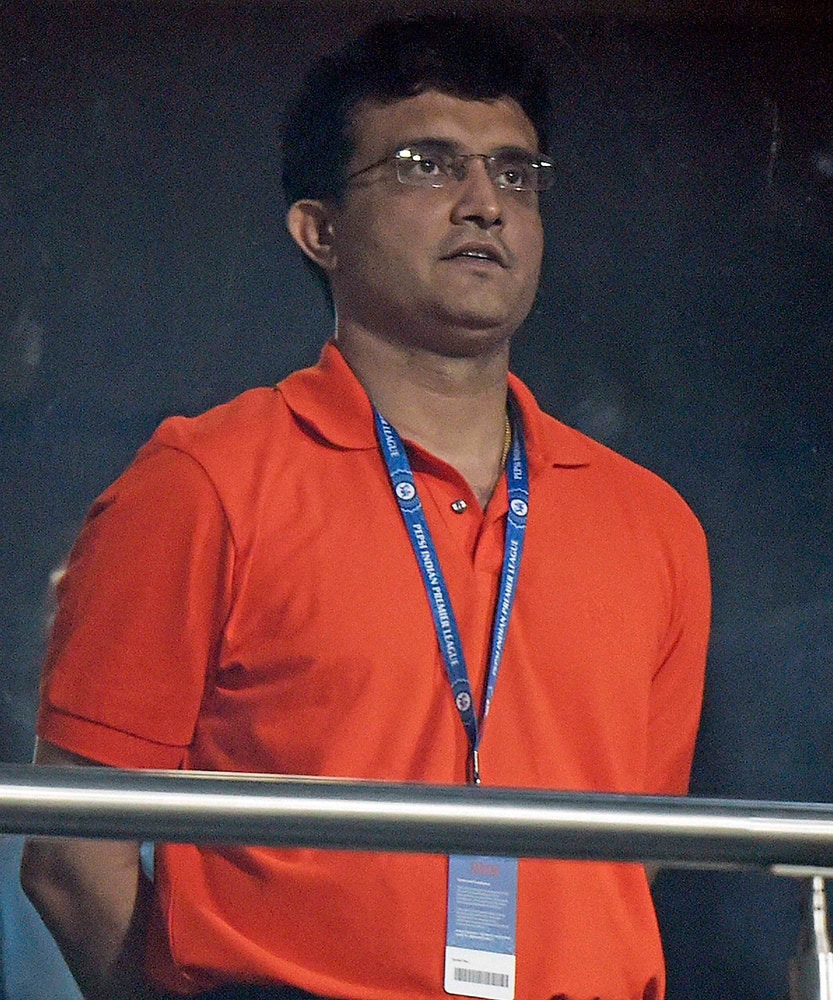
(140, 616)
(677, 686)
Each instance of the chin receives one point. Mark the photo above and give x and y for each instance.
(480, 327)
(465, 337)
(484, 314)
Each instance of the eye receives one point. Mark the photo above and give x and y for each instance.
(421, 167)
(516, 174)
(426, 166)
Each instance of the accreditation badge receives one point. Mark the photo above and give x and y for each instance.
(482, 916)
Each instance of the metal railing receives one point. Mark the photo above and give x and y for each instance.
(782, 837)
(791, 838)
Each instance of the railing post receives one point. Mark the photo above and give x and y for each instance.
(811, 969)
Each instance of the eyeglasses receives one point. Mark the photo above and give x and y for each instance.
(510, 170)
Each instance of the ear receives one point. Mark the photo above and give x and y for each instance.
(310, 225)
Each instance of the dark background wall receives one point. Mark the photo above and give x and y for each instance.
(684, 319)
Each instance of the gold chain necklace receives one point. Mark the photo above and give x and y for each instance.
(507, 440)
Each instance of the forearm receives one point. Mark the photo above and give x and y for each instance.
(95, 900)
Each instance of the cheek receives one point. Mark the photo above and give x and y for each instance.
(531, 247)
(377, 245)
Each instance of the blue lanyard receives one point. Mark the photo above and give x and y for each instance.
(448, 635)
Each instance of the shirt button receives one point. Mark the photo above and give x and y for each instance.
(459, 506)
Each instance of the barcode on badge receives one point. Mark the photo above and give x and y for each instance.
(481, 977)
(470, 972)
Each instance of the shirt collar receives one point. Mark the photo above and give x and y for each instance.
(330, 400)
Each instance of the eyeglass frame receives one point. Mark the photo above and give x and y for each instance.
(457, 167)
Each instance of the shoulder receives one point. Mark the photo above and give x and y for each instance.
(616, 487)
(232, 431)
(602, 488)
(202, 466)
(630, 476)
(229, 444)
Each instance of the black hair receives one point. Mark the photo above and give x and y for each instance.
(475, 59)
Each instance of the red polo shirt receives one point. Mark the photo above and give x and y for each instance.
(245, 598)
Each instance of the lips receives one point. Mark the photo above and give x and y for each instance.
(477, 250)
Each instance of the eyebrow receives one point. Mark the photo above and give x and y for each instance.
(453, 148)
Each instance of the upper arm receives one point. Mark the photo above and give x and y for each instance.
(139, 619)
(49, 754)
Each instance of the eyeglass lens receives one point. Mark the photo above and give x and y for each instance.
(512, 171)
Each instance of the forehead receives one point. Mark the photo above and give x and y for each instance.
(476, 126)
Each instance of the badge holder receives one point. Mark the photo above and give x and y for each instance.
(482, 914)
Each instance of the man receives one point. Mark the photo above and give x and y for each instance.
(282, 586)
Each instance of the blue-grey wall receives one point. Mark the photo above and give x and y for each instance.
(684, 319)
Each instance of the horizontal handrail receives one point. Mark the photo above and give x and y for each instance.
(200, 807)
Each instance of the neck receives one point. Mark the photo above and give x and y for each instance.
(454, 407)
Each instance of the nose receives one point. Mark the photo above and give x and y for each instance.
(477, 200)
